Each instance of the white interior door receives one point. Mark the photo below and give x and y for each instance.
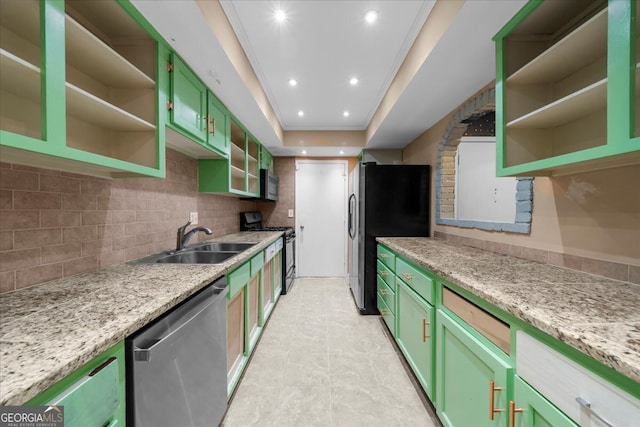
(321, 229)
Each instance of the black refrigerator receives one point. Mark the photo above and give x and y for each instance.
(386, 201)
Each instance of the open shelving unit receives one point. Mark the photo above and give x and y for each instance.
(556, 82)
(20, 68)
(101, 118)
(110, 86)
(237, 158)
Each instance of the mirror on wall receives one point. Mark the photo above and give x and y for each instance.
(468, 192)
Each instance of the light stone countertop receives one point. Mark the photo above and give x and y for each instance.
(49, 331)
(598, 316)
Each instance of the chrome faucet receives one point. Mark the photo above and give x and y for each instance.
(182, 238)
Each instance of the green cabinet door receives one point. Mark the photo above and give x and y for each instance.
(414, 319)
(466, 368)
(266, 159)
(189, 99)
(217, 127)
(531, 409)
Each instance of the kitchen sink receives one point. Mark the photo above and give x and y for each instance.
(196, 257)
(223, 247)
(206, 253)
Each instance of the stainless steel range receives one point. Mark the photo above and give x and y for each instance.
(252, 221)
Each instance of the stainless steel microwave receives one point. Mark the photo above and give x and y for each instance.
(268, 185)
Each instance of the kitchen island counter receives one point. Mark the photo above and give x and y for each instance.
(595, 315)
(50, 330)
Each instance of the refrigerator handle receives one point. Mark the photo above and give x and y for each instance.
(351, 227)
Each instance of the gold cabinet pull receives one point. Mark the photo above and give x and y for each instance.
(384, 256)
(424, 330)
(512, 413)
(407, 276)
(492, 408)
(206, 124)
(384, 292)
(383, 311)
(383, 272)
(212, 120)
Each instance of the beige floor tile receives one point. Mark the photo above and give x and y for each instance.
(320, 363)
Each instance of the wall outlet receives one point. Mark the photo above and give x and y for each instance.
(290, 213)
(193, 217)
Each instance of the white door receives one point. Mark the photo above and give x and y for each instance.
(321, 229)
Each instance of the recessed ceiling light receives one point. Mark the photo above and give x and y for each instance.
(280, 15)
(304, 151)
(353, 81)
(341, 151)
(300, 113)
(371, 16)
(345, 114)
(293, 82)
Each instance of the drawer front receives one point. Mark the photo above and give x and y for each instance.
(494, 329)
(562, 381)
(387, 293)
(93, 400)
(270, 252)
(418, 280)
(238, 278)
(279, 244)
(387, 257)
(256, 263)
(384, 272)
(387, 315)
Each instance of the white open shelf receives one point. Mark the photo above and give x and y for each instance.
(87, 107)
(579, 104)
(19, 77)
(579, 48)
(92, 56)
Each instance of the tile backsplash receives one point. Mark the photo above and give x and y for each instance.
(55, 224)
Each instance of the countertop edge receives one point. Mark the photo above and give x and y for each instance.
(18, 395)
(604, 355)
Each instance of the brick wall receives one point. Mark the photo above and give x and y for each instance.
(276, 214)
(55, 224)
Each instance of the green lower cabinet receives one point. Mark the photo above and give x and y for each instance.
(92, 396)
(414, 320)
(471, 376)
(531, 409)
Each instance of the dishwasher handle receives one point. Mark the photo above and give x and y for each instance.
(144, 354)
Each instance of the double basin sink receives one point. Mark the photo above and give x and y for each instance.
(205, 253)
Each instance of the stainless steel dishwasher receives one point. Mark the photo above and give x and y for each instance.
(177, 366)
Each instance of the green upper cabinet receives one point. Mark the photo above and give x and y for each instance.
(566, 88)
(530, 409)
(195, 114)
(266, 159)
(217, 126)
(78, 88)
(188, 100)
(237, 175)
(472, 377)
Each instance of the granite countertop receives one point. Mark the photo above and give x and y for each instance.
(598, 316)
(49, 331)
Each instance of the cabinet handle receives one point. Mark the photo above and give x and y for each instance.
(407, 276)
(586, 405)
(424, 330)
(492, 408)
(383, 311)
(512, 413)
(384, 292)
(206, 124)
(383, 273)
(213, 126)
(384, 256)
